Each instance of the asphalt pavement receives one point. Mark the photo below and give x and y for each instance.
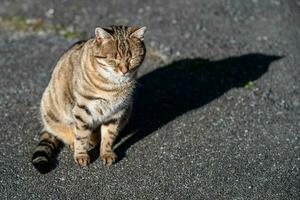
(216, 111)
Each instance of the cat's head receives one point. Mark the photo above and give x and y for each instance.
(120, 50)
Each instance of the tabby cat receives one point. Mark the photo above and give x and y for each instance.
(89, 96)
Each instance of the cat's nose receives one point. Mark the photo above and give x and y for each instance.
(124, 69)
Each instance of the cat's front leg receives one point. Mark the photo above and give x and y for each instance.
(82, 133)
(109, 132)
(81, 146)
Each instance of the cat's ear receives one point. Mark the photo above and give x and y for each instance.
(139, 33)
(101, 34)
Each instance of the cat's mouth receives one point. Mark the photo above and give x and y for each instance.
(111, 72)
(129, 73)
(125, 74)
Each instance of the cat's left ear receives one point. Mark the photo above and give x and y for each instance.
(139, 33)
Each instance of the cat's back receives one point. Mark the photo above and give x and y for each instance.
(73, 52)
(76, 46)
(59, 90)
(69, 59)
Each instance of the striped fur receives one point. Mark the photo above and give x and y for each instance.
(91, 86)
(45, 151)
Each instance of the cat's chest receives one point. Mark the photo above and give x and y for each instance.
(104, 110)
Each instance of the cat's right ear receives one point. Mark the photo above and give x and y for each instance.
(101, 34)
(139, 33)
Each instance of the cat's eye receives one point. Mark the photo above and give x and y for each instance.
(135, 59)
(101, 57)
(132, 60)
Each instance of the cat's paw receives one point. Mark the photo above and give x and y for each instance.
(108, 158)
(82, 159)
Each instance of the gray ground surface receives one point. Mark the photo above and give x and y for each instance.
(217, 112)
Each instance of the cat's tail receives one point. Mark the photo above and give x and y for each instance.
(45, 152)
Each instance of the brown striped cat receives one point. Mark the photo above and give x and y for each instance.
(89, 96)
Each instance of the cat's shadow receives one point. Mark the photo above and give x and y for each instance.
(184, 85)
